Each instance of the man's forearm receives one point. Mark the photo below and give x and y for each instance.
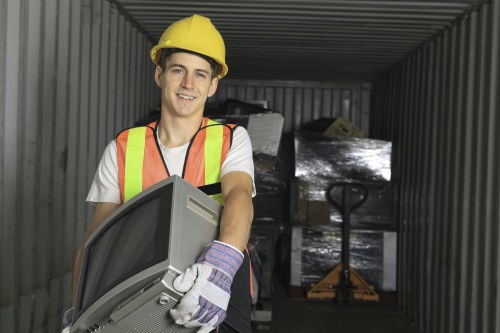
(236, 219)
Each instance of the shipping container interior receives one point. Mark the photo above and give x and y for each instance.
(420, 77)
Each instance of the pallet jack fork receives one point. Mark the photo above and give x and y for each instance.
(343, 282)
(330, 285)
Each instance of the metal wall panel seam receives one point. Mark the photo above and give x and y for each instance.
(29, 102)
(144, 78)
(142, 63)
(448, 173)
(59, 171)
(240, 92)
(401, 157)
(494, 306)
(277, 100)
(95, 33)
(416, 167)
(9, 288)
(131, 72)
(316, 103)
(306, 105)
(436, 179)
(287, 109)
(112, 74)
(442, 208)
(480, 148)
(24, 285)
(405, 151)
(420, 186)
(3, 81)
(46, 138)
(486, 191)
(465, 311)
(429, 132)
(387, 102)
(104, 63)
(55, 294)
(298, 107)
(5, 312)
(413, 168)
(398, 152)
(127, 108)
(457, 146)
(326, 104)
(120, 78)
(71, 231)
(83, 124)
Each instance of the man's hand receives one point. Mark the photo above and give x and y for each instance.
(207, 285)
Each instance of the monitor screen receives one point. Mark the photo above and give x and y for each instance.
(135, 239)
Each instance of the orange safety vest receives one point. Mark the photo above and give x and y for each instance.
(141, 164)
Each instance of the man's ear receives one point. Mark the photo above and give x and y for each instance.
(158, 73)
(213, 87)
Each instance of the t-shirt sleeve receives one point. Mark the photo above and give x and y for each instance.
(105, 186)
(240, 155)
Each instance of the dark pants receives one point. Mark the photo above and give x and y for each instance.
(238, 318)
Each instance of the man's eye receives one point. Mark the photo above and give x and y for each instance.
(177, 70)
(202, 75)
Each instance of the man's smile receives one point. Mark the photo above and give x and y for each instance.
(186, 97)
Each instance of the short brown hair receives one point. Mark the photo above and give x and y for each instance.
(167, 53)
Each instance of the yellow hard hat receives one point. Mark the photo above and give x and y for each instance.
(196, 34)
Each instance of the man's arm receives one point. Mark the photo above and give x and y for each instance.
(237, 215)
(102, 210)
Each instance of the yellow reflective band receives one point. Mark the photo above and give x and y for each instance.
(134, 159)
(213, 152)
(218, 198)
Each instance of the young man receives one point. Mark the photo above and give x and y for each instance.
(190, 59)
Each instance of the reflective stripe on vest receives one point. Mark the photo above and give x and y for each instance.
(213, 155)
(134, 162)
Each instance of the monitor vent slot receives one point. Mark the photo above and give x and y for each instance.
(203, 211)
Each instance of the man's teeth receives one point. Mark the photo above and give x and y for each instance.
(189, 98)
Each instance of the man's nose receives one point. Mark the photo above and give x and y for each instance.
(188, 80)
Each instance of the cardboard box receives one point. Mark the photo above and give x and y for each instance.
(343, 127)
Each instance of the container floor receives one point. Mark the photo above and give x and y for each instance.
(324, 316)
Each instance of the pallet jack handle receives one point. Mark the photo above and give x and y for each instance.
(352, 195)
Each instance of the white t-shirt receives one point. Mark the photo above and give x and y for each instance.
(105, 186)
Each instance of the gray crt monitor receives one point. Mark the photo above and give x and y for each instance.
(131, 260)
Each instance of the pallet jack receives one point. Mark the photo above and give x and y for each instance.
(343, 282)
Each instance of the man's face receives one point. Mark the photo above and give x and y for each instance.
(186, 84)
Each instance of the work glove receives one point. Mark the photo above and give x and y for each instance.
(207, 285)
(66, 320)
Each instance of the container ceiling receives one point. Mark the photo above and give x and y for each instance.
(309, 40)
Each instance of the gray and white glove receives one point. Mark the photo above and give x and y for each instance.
(66, 320)
(207, 285)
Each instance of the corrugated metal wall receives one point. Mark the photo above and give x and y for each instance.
(440, 107)
(72, 73)
(301, 102)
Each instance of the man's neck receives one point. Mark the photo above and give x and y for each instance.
(176, 131)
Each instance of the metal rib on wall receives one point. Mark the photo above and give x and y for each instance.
(301, 102)
(72, 74)
(440, 108)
